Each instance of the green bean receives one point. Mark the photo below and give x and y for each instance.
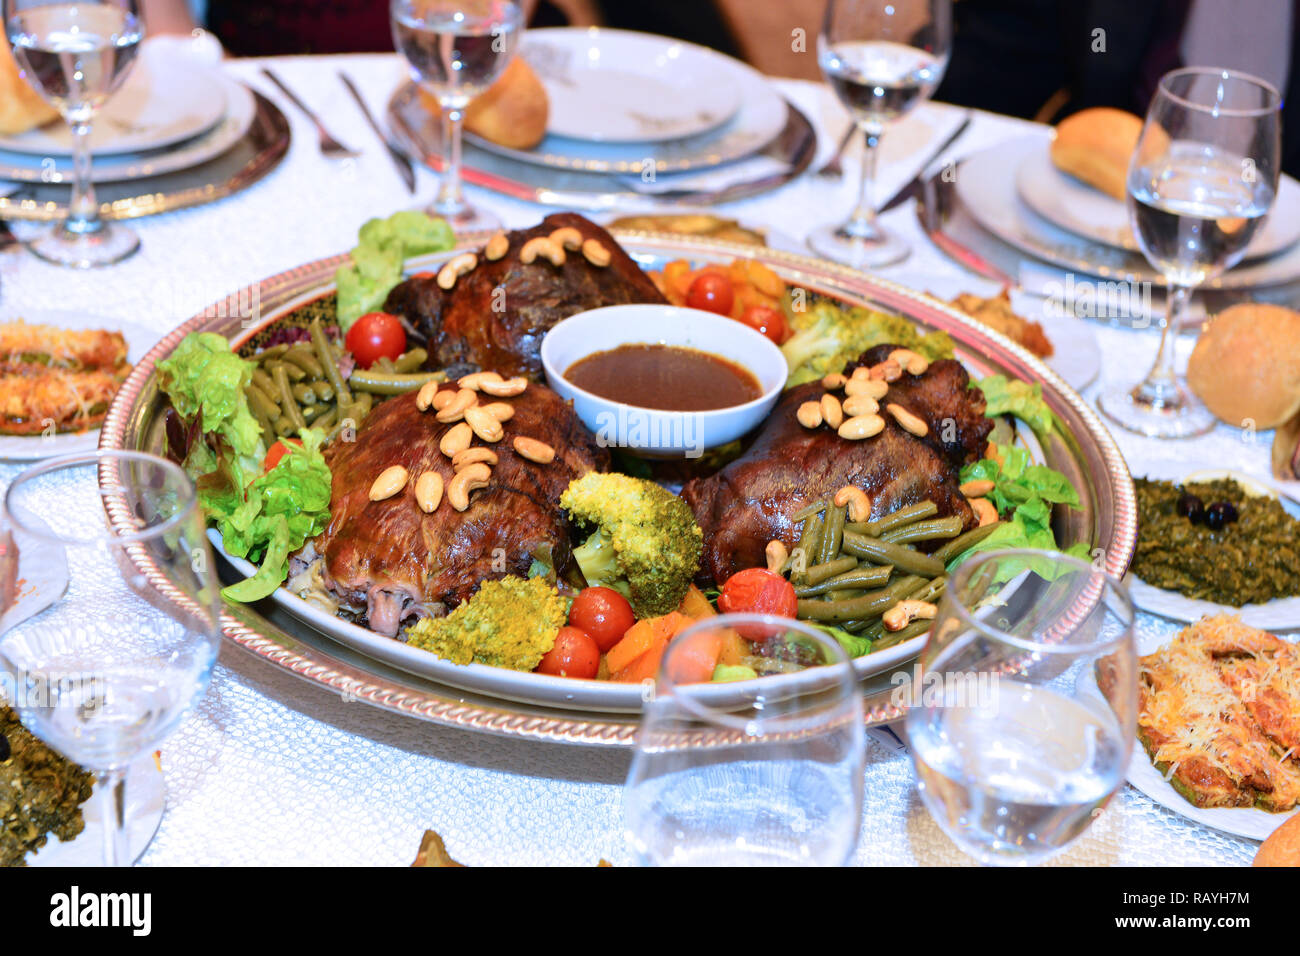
(312, 414)
(926, 530)
(882, 552)
(871, 603)
(274, 352)
(857, 577)
(294, 373)
(810, 541)
(807, 511)
(284, 427)
(822, 572)
(323, 391)
(261, 402)
(890, 638)
(411, 361)
(874, 529)
(833, 533)
(393, 383)
(322, 346)
(287, 404)
(302, 356)
(263, 381)
(327, 418)
(304, 393)
(383, 364)
(965, 542)
(264, 423)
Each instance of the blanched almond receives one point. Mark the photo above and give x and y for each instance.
(443, 398)
(484, 425)
(501, 411)
(908, 421)
(832, 413)
(833, 381)
(864, 386)
(455, 410)
(474, 380)
(496, 247)
(887, 371)
(390, 481)
(860, 405)
(534, 450)
(809, 414)
(456, 440)
(424, 397)
(861, 426)
(428, 491)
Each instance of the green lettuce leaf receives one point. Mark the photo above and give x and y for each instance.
(1024, 400)
(203, 377)
(383, 245)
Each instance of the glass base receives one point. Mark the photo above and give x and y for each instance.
(111, 242)
(462, 217)
(877, 248)
(1176, 415)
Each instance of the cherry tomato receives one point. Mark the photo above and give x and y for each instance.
(374, 336)
(712, 293)
(275, 453)
(758, 591)
(574, 655)
(603, 614)
(767, 321)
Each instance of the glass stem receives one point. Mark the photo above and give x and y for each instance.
(450, 197)
(117, 844)
(1160, 388)
(83, 208)
(862, 223)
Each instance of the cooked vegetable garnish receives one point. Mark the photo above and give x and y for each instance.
(376, 266)
(509, 623)
(826, 338)
(646, 544)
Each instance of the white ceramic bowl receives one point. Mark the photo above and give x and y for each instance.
(651, 431)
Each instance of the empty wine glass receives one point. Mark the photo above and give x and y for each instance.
(456, 49)
(882, 58)
(1200, 185)
(76, 55)
(112, 667)
(763, 772)
(1016, 749)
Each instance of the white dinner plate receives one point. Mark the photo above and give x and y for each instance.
(759, 119)
(166, 98)
(609, 86)
(229, 130)
(35, 447)
(986, 186)
(1282, 614)
(145, 798)
(1074, 205)
(1143, 775)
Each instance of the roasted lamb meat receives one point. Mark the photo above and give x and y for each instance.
(495, 315)
(750, 501)
(387, 560)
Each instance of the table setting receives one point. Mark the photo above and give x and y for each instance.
(570, 445)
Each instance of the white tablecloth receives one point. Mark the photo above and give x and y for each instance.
(271, 770)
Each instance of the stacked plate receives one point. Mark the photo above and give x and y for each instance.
(1016, 197)
(636, 115)
(174, 114)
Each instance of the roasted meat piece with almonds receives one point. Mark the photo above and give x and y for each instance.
(495, 315)
(749, 502)
(395, 561)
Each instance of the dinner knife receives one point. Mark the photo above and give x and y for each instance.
(913, 188)
(404, 167)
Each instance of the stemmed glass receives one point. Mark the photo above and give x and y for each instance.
(1200, 185)
(112, 667)
(76, 55)
(1016, 746)
(748, 774)
(456, 49)
(882, 58)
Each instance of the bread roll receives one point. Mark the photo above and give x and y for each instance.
(1286, 450)
(21, 107)
(1095, 145)
(512, 111)
(1246, 365)
(1282, 848)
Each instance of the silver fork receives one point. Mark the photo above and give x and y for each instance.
(833, 169)
(329, 146)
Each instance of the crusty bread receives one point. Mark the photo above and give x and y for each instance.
(1246, 365)
(21, 107)
(1095, 145)
(1282, 848)
(512, 112)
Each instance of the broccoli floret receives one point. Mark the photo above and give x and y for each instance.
(507, 623)
(826, 338)
(646, 544)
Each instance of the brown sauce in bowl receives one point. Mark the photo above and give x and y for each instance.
(665, 377)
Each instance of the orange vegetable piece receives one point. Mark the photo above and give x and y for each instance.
(694, 657)
(643, 638)
(696, 605)
(733, 649)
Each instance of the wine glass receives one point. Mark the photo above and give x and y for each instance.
(765, 772)
(112, 667)
(1200, 185)
(1015, 748)
(882, 58)
(456, 49)
(76, 55)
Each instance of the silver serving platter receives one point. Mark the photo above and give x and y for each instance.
(1085, 453)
